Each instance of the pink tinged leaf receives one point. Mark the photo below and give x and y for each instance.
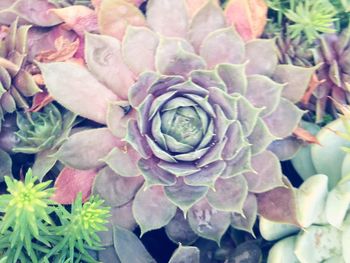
(117, 119)
(279, 205)
(260, 138)
(178, 230)
(174, 23)
(104, 59)
(70, 182)
(208, 19)
(86, 149)
(174, 57)
(229, 194)
(114, 16)
(208, 222)
(75, 88)
(116, 190)
(152, 209)
(79, 18)
(139, 49)
(261, 55)
(296, 78)
(185, 196)
(185, 254)
(40, 100)
(193, 6)
(284, 120)
(267, 175)
(137, 140)
(29, 11)
(248, 16)
(234, 77)
(222, 46)
(123, 161)
(264, 93)
(246, 220)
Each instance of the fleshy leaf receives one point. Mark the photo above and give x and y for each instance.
(139, 49)
(185, 196)
(260, 137)
(283, 251)
(152, 209)
(239, 164)
(173, 59)
(136, 140)
(70, 182)
(209, 15)
(207, 222)
(262, 57)
(278, 205)
(116, 190)
(272, 230)
(249, 17)
(222, 46)
(311, 199)
(123, 161)
(114, 16)
(318, 243)
(264, 93)
(246, 220)
(284, 120)
(153, 174)
(104, 59)
(117, 119)
(79, 18)
(84, 150)
(286, 148)
(234, 77)
(138, 92)
(126, 244)
(44, 161)
(178, 230)
(267, 173)
(174, 23)
(229, 194)
(296, 79)
(63, 81)
(179, 169)
(185, 254)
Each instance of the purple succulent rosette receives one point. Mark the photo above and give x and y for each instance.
(191, 111)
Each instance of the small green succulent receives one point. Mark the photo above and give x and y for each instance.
(26, 218)
(78, 229)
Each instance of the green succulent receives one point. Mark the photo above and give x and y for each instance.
(42, 133)
(79, 229)
(26, 219)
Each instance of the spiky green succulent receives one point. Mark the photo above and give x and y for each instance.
(16, 83)
(324, 219)
(192, 111)
(79, 229)
(26, 218)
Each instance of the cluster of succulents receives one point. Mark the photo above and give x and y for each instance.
(173, 117)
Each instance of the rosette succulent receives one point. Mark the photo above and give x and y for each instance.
(16, 83)
(190, 109)
(324, 219)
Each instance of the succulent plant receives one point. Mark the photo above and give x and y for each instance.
(65, 3)
(16, 83)
(334, 54)
(42, 133)
(191, 111)
(26, 218)
(324, 219)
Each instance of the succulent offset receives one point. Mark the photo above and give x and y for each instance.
(190, 103)
(324, 219)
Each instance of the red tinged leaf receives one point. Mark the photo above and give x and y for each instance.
(279, 204)
(40, 100)
(305, 136)
(70, 182)
(314, 83)
(249, 17)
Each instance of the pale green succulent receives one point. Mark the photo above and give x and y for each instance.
(324, 219)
